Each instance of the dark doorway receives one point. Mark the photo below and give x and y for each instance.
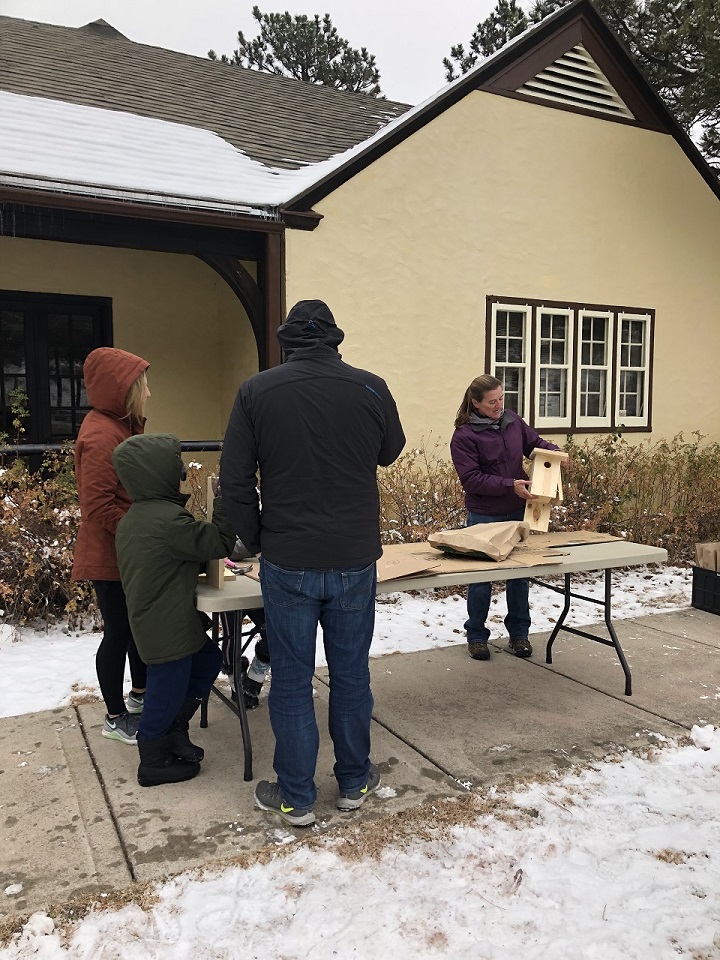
(44, 340)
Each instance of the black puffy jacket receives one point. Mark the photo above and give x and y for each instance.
(317, 429)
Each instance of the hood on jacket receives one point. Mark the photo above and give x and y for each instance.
(150, 467)
(309, 323)
(109, 373)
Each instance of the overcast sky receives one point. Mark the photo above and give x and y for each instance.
(409, 38)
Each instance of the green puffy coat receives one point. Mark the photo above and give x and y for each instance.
(161, 548)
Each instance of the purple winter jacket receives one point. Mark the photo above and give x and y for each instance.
(488, 461)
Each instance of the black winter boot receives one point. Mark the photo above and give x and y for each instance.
(182, 746)
(158, 763)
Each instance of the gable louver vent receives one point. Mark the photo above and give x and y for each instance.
(576, 80)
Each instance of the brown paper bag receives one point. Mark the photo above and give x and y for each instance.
(493, 541)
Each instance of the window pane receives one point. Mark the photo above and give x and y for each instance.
(593, 350)
(553, 393)
(12, 355)
(12, 341)
(553, 338)
(513, 381)
(599, 354)
(69, 340)
(632, 352)
(632, 383)
(510, 337)
(593, 402)
(516, 324)
(558, 352)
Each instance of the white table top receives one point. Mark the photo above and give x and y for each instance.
(243, 593)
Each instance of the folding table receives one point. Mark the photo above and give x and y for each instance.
(563, 554)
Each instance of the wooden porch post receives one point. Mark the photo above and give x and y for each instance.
(273, 287)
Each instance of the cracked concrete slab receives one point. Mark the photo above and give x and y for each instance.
(57, 837)
(212, 817)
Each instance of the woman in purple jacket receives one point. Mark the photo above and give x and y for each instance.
(487, 449)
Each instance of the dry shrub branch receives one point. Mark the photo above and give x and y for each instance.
(39, 517)
(665, 494)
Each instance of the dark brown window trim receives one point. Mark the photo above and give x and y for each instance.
(575, 307)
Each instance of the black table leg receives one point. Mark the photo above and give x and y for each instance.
(215, 639)
(238, 651)
(606, 604)
(234, 628)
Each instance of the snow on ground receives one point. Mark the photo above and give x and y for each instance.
(40, 670)
(619, 860)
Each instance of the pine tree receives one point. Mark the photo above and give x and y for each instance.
(305, 48)
(505, 22)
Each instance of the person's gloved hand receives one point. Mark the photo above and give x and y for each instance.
(215, 485)
(240, 552)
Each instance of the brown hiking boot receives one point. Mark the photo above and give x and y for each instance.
(478, 650)
(521, 648)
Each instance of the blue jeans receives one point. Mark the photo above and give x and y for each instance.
(342, 602)
(517, 621)
(170, 684)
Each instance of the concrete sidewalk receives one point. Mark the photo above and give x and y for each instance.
(74, 820)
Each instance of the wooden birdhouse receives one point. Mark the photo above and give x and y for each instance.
(545, 485)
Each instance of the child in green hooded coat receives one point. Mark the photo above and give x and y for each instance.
(161, 548)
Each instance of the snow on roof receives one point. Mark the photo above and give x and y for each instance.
(62, 146)
(55, 145)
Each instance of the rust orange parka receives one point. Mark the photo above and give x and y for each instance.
(109, 373)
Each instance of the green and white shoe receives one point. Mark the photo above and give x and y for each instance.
(268, 797)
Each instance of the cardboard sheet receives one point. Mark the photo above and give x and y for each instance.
(437, 562)
(391, 567)
(401, 560)
(394, 564)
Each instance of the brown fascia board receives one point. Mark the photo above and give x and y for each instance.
(124, 208)
(300, 219)
(580, 19)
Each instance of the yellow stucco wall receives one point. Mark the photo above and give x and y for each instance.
(502, 197)
(171, 309)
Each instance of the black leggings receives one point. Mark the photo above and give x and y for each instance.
(116, 644)
(261, 646)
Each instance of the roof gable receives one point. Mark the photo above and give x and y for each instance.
(534, 67)
(577, 54)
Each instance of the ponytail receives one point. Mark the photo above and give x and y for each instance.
(476, 391)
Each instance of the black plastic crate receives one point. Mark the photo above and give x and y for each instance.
(706, 590)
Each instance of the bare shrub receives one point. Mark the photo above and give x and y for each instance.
(665, 493)
(419, 494)
(39, 517)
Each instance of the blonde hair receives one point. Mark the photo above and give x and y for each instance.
(476, 391)
(135, 400)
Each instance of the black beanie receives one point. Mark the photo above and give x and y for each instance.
(308, 324)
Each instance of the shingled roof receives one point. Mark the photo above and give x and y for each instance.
(275, 120)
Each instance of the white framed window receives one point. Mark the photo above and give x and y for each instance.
(568, 366)
(633, 374)
(510, 337)
(553, 365)
(594, 389)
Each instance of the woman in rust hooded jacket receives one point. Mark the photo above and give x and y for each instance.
(116, 385)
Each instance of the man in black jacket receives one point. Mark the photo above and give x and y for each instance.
(317, 429)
